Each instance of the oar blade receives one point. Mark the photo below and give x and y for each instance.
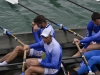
(12, 1)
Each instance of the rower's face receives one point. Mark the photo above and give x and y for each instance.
(40, 25)
(33, 24)
(47, 40)
(97, 22)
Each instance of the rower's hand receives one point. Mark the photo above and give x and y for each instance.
(35, 27)
(26, 47)
(76, 40)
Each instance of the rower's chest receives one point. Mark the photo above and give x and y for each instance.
(48, 48)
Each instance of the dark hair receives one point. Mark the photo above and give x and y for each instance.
(39, 19)
(95, 16)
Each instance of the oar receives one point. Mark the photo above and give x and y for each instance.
(81, 6)
(90, 71)
(63, 69)
(66, 58)
(59, 25)
(24, 57)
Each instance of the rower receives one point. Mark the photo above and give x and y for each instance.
(92, 46)
(39, 21)
(92, 27)
(51, 64)
(38, 24)
(93, 58)
(90, 39)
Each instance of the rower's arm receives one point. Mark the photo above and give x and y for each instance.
(92, 38)
(37, 45)
(89, 29)
(55, 59)
(37, 35)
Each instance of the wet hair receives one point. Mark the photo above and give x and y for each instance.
(95, 16)
(39, 19)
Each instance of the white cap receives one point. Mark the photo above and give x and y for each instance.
(46, 32)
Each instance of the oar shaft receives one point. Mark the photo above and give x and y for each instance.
(28, 8)
(75, 33)
(1, 27)
(17, 40)
(81, 53)
(83, 57)
(63, 69)
(36, 13)
(24, 61)
(81, 6)
(24, 57)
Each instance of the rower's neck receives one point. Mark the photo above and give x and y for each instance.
(45, 25)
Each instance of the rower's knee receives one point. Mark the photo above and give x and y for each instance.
(31, 69)
(87, 55)
(18, 49)
(28, 64)
(93, 59)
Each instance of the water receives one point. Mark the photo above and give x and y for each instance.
(18, 19)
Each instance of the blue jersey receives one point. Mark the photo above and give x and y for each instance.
(37, 34)
(91, 27)
(95, 37)
(53, 54)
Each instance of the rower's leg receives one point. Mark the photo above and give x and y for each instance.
(32, 65)
(78, 53)
(89, 48)
(31, 62)
(34, 69)
(92, 47)
(17, 51)
(89, 54)
(5, 57)
(10, 56)
(92, 61)
(34, 74)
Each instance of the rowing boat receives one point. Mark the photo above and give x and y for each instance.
(7, 44)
